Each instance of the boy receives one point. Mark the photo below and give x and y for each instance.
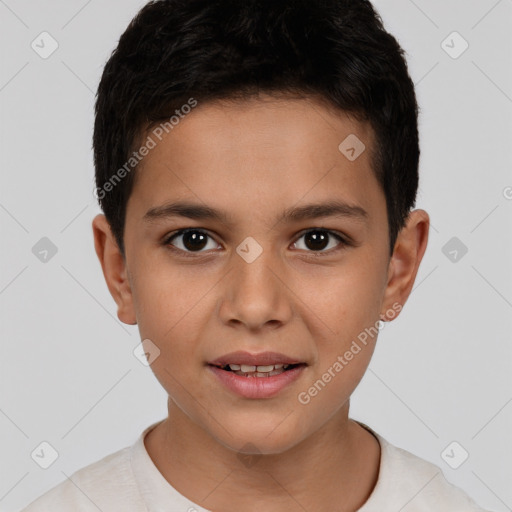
(279, 137)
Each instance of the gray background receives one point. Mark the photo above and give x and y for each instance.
(441, 372)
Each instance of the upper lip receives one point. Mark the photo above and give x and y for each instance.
(260, 359)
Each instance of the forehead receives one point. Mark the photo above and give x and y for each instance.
(259, 153)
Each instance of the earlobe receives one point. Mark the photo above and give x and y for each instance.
(114, 269)
(403, 267)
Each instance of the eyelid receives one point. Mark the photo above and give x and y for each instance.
(339, 234)
(167, 241)
(168, 237)
(343, 239)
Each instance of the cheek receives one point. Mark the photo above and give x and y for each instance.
(347, 299)
(170, 313)
(165, 298)
(348, 306)
(342, 360)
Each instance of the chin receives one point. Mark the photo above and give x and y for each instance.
(258, 437)
(247, 445)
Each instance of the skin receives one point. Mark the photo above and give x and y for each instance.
(254, 159)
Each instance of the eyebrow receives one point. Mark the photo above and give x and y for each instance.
(294, 214)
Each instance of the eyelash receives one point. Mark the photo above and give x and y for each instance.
(343, 241)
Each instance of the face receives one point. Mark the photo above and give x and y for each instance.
(268, 273)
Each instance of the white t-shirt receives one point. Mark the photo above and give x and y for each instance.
(128, 481)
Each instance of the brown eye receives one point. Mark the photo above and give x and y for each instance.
(318, 240)
(192, 240)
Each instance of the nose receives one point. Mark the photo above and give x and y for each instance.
(256, 294)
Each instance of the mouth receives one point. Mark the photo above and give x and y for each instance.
(258, 371)
(262, 375)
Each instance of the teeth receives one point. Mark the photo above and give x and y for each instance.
(247, 370)
(268, 368)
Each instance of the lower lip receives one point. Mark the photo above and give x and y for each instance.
(257, 387)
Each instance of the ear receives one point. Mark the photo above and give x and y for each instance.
(408, 252)
(114, 269)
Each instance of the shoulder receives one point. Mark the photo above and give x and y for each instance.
(107, 484)
(409, 483)
(426, 484)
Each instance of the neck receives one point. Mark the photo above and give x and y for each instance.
(336, 468)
